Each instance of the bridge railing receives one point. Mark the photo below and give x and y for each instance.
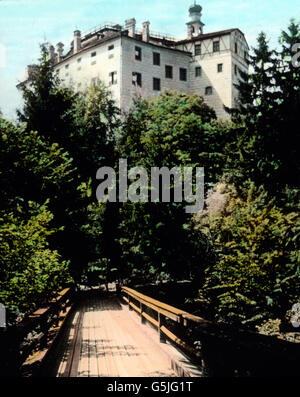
(220, 349)
(19, 341)
(140, 303)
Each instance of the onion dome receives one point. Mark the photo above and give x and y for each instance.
(195, 9)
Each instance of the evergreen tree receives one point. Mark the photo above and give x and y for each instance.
(266, 149)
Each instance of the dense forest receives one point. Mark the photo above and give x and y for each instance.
(241, 253)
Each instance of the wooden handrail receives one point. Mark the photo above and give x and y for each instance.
(164, 311)
(163, 307)
(152, 301)
(37, 321)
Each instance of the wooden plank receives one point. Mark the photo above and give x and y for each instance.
(153, 302)
(73, 359)
(40, 312)
(150, 319)
(137, 309)
(110, 358)
(112, 344)
(165, 309)
(64, 345)
(177, 340)
(196, 319)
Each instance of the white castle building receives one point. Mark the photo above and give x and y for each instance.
(139, 62)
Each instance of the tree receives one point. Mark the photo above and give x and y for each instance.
(84, 125)
(256, 272)
(31, 171)
(172, 130)
(266, 149)
(30, 272)
(47, 104)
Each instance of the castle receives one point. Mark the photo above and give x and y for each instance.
(139, 62)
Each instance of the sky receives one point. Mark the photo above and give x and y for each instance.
(24, 24)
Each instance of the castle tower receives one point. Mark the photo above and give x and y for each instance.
(195, 26)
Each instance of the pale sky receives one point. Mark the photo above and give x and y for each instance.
(26, 23)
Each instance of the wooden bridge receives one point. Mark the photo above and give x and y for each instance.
(103, 339)
(132, 335)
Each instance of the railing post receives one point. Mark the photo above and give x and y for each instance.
(44, 329)
(143, 320)
(161, 322)
(182, 321)
(130, 308)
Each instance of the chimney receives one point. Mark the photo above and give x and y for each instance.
(60, 50)
(52, 53)
(31, 71)
(130, 26)
(146, 31)
(77, 41)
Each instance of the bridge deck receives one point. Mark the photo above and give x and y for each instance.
(102, 340)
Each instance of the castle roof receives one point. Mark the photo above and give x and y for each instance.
(209, 35)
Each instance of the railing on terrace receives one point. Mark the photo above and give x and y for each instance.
(115, 26)
(158, 35)
(105, 25)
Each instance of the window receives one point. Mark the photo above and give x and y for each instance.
(79, 68)
(169, 72)
(236, 48)
(110, 49)
(235, 69)
(156, 84)
(93, 54)
(78, 60)
(137, 79)
(156, 58)
(67, 66)
(208, 90)
(183, 74)
(198, 71)
(220, 67)
(197, 49)
(245, 55)
(216, 46)
(67, 74)
(93, 63)
(138, 53)
(112, 78)
(94, 80)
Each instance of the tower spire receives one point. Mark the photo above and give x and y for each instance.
(195, 25)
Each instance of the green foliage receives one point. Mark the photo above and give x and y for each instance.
(31, 169)
(256, 274)
(30, 272)
(96, 121)
(174, 129)
(243, 252)
(47, 105)
(269, 101)
(84, 125)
